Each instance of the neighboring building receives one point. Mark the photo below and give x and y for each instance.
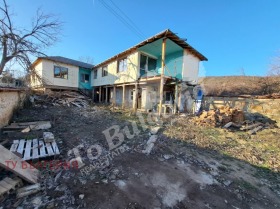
(57, 72)
(134, 75)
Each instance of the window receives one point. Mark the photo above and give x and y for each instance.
(147, 64)
(131, 95)
(84, 78)
(104, 71)
(122, 65)
(95, 74)
(60, 72)
(168, 97)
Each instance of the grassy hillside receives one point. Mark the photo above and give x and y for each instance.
(240, 85)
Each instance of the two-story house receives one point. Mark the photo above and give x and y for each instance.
(134, 77)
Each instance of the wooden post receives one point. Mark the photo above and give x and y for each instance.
(162, 75)
(106, 95)
(176, 98)
(123, 97)
(100, 93)
(135, 98)
(114, 95)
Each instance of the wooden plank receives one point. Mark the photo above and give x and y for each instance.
(14, 146)
(55, 148)
(19, 167)
(42, 149)
(49, 149)
(27, 152)
(28, 190)
(5, 185)
(2, 190)
(21, 146)
(35, 150)
(13, 182)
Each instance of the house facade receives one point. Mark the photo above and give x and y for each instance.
(135, 79)
(57, 72)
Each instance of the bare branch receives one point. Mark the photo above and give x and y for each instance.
(22, 44)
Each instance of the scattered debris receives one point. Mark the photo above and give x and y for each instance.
(8, 184)
(150, 144)
(63, 98)
(28, 190)
(28, 126)
(155, 130)
(29, 174)
(48, 136)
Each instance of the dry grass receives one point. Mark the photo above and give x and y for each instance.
(262, 150)
(240, 85)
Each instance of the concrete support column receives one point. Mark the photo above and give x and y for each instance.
(106, 95)
(100, 93)
(123, 97)
(135, 98)
(114, 95)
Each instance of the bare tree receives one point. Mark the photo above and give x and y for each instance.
(20, 45)
(275, 67)
(87, 59)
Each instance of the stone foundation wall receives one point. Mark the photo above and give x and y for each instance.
(10, 99)
(266, 107)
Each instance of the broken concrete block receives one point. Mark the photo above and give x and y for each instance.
(48, 137)
(155, 130)
(150, 144)
(81, 196)
(152, 139)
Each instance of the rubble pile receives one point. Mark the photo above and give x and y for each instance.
(64, 98)
(220, 117)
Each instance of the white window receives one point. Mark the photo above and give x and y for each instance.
(122, 65)
(60, 72)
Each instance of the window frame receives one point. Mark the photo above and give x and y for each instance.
(60, 68)
(124, 67)
(95, 74)
(147, 57)
(83, 80)
(105, 72)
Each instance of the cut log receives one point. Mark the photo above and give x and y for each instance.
(13, 163)
(255, 130)
(251, 126)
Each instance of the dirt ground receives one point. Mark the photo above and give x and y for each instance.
(176, 174)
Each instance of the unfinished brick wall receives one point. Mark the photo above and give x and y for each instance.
(266, 107)
(9, 101)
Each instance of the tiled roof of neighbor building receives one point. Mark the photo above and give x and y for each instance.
(68, 61)
(164, 34)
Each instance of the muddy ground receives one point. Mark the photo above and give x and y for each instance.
(176, 174)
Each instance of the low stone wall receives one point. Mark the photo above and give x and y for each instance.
(10, 99)
(266, 107)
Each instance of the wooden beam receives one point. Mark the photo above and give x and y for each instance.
(13, 163)
(176, 98)
(123, 97)
(162, 75)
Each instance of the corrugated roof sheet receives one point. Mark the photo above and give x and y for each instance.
(68, 61)
(164, 34)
